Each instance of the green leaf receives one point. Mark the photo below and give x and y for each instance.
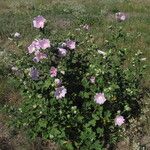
(43, 123)
(100, 131)
(47, 83)
(86, 95)
(69, 146)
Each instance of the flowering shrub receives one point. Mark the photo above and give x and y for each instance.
(74, 93)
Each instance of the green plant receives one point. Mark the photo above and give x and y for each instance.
(75, 97)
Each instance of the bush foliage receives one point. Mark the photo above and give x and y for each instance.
(76, 119)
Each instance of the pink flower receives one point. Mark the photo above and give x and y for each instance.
(37, 44)
(39, 22)
(71, 44)
(92, 79)
(119, 120)
(31, 48)
(33, 73)
(99, 98)
(58, 82)
(45, 43)
(60, 92)
(53, 72)
(39, 56)
(120, 16)
(62, 52)
(34, 46)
